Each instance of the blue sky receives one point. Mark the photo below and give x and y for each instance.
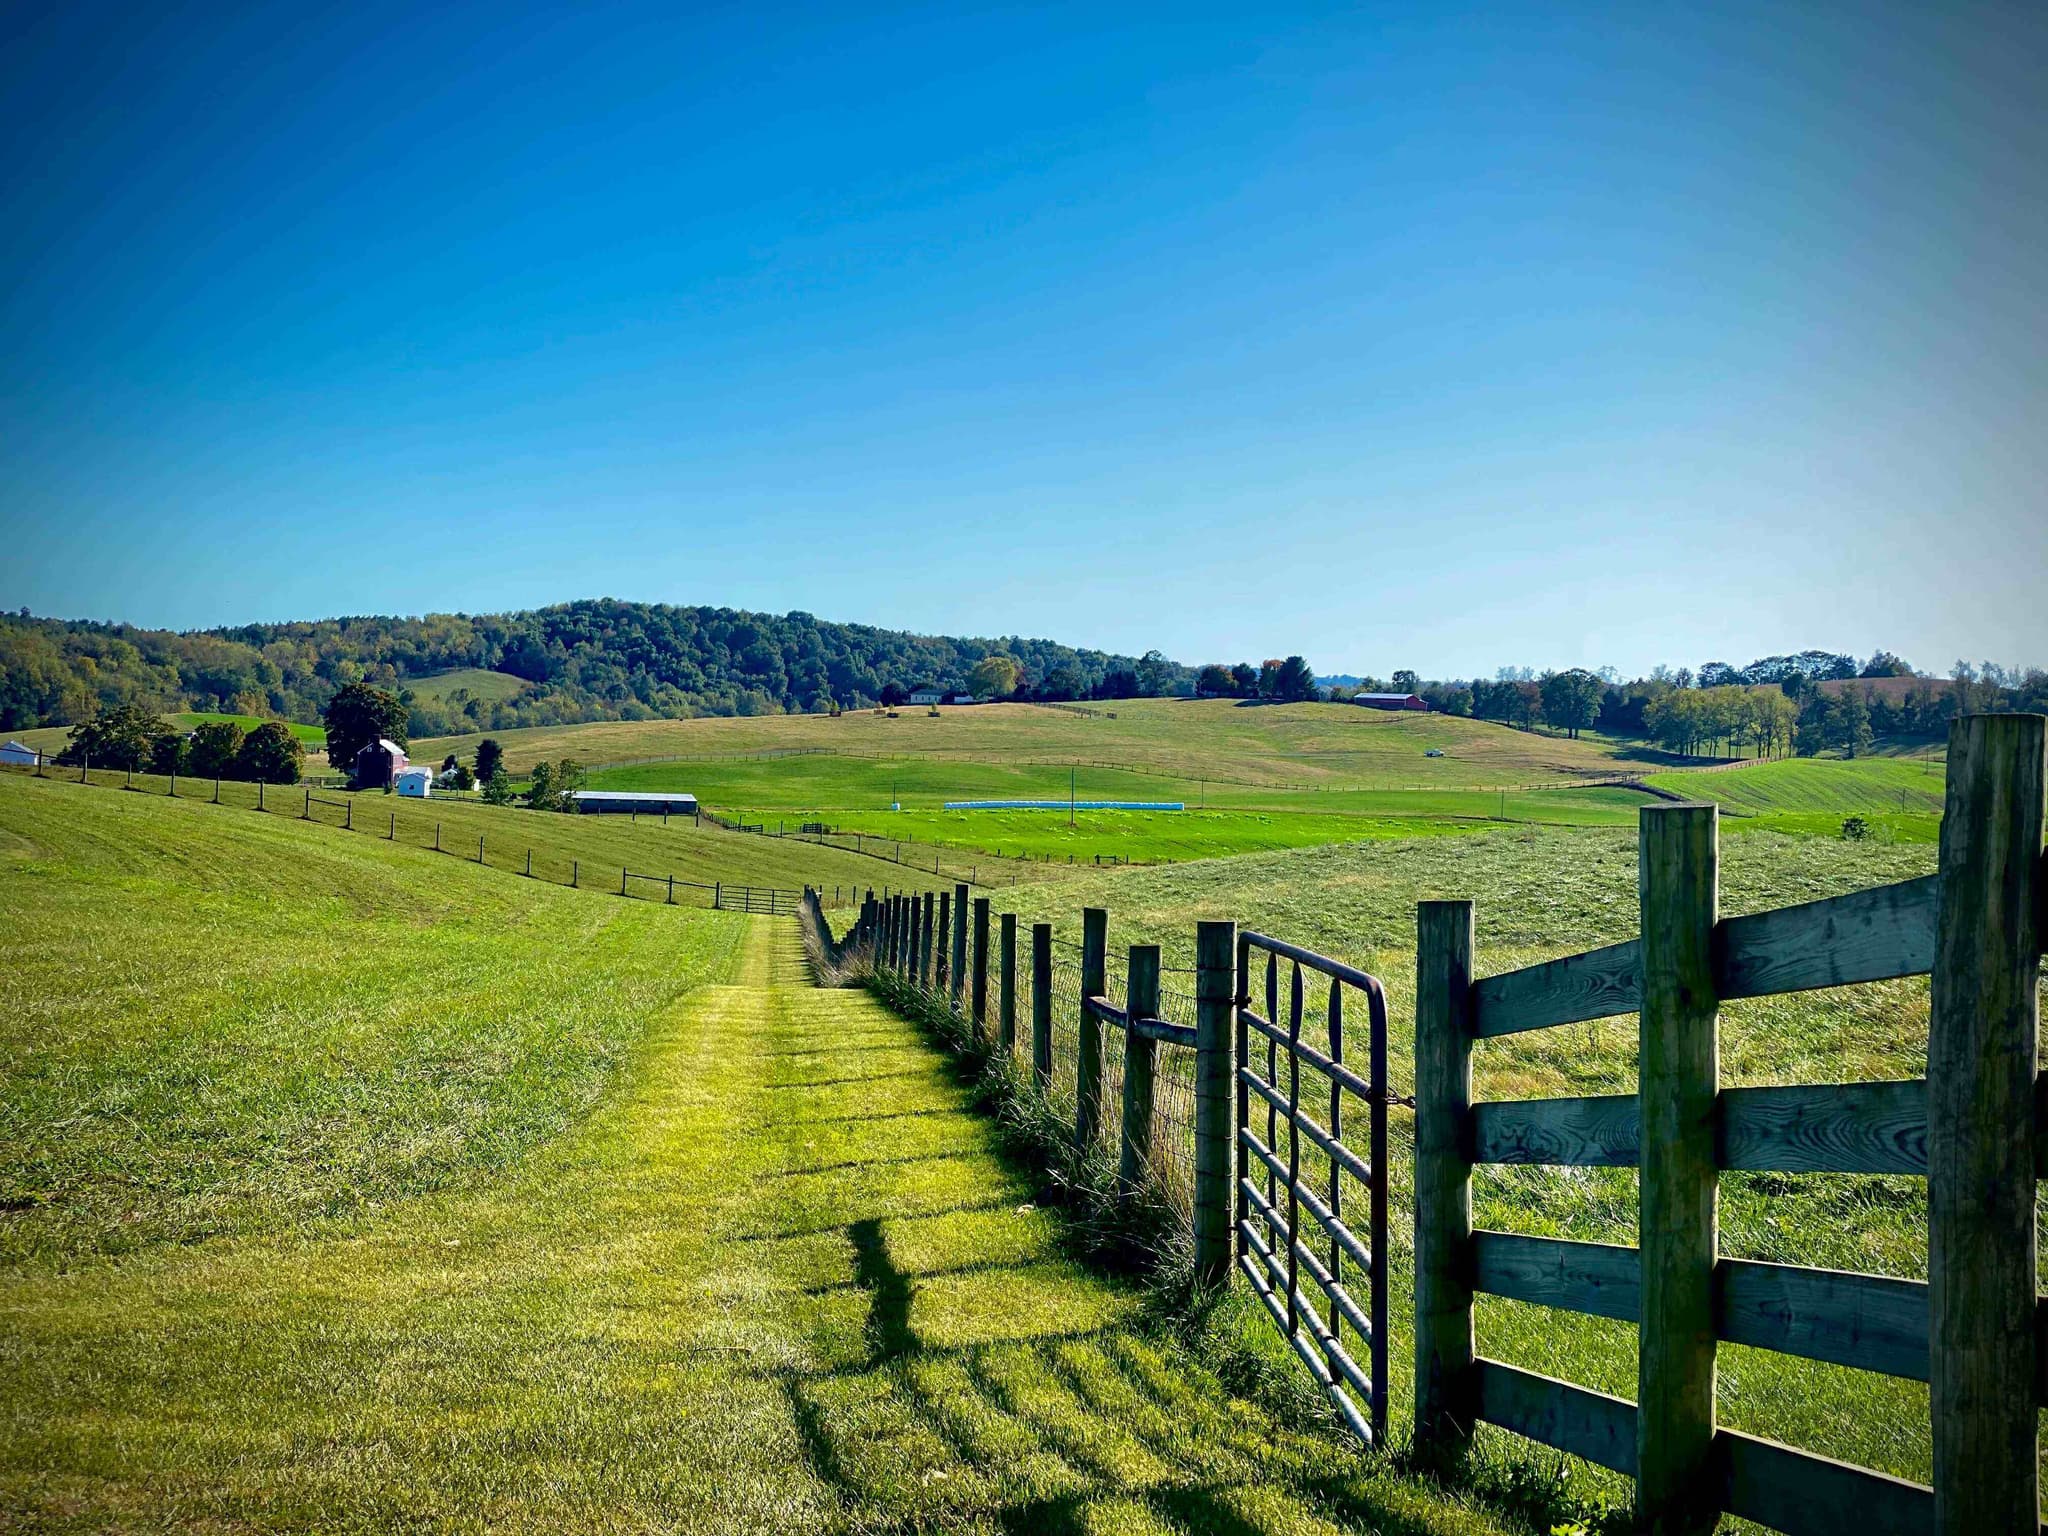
(1431, 336)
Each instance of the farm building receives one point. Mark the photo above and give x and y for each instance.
(1390, 700)
(414, 783)
(378, 765)
(619, 802)
(23, 757)
(924, 693)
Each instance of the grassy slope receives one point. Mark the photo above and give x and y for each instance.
(1900, 796)
(477, 682)
(1547, 892)
(219, 1021)
(591, 848)
(779, 1283)
(1293, 745)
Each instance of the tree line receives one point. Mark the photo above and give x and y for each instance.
(592, 660)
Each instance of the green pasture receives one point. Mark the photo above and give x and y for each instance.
(314, 736)
(477, 682)
(1162, 836)
(220, 1022)
(1288, 746)
(1821, 784)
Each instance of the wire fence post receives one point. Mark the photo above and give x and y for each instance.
(259, 794)
(622, 879)
(717, 894)
(941, 956)
(1041, 1005)
(575, 873)
(437, 837)
(1088, 1054)
(959, 978)
(529, 863)
(981, 970)
(348, 816)
(671, 888)
(307, 813)
(1215, 989)
(1141, 1059)
(1006, 988)
(926, 943)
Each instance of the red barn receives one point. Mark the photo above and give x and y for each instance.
(1390, 700)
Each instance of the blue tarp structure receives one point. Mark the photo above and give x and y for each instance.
(1061, 805)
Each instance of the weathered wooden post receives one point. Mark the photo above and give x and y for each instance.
(259, 788)
(529, 875)
(575, 873)
(959, 945)
(622, 879)
(717, 895)
(479, 850)
(437, 837)
(391, 832)
(1679, 1077)
(1141, 1058)
(1041, 1005)
(1215, 990)
(925, 976)
(1443, 1177)
(981, 970)
(305, 815)
(1006, 988)
(942, 965)
(671, 879)
(1088, 1045)
(1982, 1038)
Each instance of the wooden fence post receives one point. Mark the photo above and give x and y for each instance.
(907, 917)
(1141, 1057)
(925, 977)
(981, 969)
(1088, 1046)
(941, 956)
(1443, 1176)
(671, 879)
(1215, 993)
(959, 946)
(575, 873)
(1041, 1005)
(1982, 1038)
(1006, 988)
(1679, 1076)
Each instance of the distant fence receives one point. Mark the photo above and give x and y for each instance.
(395, 818)
(1975, 1330)
(1169, 1122)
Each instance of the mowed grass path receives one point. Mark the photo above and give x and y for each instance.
(779, 1282)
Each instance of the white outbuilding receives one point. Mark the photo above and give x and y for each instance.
(414, 783)
(18, 755)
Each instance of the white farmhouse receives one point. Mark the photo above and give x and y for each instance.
(414, 783)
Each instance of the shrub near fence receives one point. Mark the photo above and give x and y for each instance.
(1972, 1331)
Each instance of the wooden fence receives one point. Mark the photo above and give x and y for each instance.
(1972, 1330)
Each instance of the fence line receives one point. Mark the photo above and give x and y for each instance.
(1974, 1330)
(305, 805)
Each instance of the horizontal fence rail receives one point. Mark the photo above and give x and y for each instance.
(1975, 1330)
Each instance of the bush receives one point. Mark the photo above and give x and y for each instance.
(1855, 829)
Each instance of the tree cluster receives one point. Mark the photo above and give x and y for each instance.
(130, 737)
(1280, 679)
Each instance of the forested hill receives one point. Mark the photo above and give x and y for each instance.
(593, 660)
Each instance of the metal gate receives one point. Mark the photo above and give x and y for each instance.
(1302, 1258)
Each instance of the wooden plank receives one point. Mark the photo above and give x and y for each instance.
(1443, 1174)
(1555, 1413)
(1825, 1128)
(1599, 1132)
(1678, 1059)
(1597, 1278)
(1868, 935)
(1983, 1035)
(1871, 1322)
(1596, 985)
(1792, 1490)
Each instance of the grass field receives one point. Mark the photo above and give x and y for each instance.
(1305, 746)
(477, 682)
(219, 1022)
(1900, 797)
(1163, 836)
(563, 1215)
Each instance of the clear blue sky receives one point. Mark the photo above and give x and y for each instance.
(1431, 336)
